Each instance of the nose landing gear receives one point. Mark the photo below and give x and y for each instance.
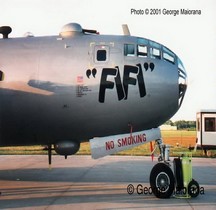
(163, 181)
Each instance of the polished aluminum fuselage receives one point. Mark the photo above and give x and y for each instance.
(53, 89)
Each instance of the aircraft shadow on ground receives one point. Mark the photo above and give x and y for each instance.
(100, 183)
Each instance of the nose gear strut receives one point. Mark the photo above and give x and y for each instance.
(162, 180)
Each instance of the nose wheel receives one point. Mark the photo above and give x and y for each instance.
(162, 180)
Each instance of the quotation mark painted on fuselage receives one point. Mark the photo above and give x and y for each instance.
(93, 72)
(151, 66)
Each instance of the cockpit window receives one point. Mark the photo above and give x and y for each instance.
(142, 51)
(155, 50)
(168, 55)
(142, 41)
(182, 81)
(155, 53)
(129, 49)
(180, 65)
(154, 44)
(101, 55)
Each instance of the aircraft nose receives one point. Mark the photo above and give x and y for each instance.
(182, 80)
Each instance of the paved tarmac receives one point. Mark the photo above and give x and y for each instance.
(83, 183)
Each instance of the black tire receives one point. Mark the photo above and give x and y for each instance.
(162, 180)
(177, 164)
(193, 188)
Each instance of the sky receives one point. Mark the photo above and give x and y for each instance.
(191, 37)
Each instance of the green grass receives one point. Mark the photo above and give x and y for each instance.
(22, 150)
(142, 150)
(178, 133)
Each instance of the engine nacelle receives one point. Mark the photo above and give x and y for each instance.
(67, 148)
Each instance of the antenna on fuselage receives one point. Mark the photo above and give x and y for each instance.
(126, 30)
